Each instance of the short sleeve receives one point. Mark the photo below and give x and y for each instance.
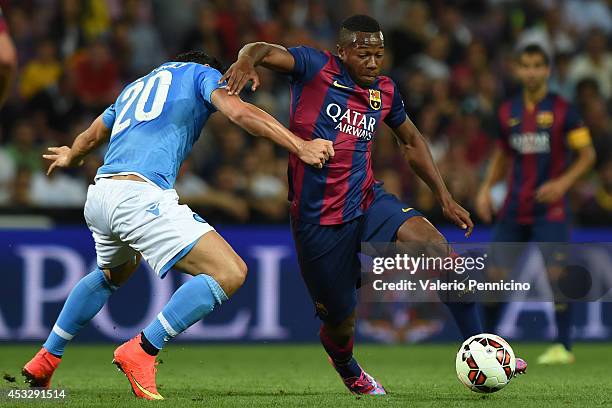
(108, 116)
(397, 114)
(308, 62)
(578, 135)
(207, 80)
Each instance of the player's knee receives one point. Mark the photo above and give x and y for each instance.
(419, 229)
(425, 237)
(234, 275)
(241, 271)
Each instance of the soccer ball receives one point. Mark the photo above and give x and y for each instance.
(485, 363)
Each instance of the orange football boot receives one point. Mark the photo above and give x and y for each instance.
(39, 370)
(138, 367)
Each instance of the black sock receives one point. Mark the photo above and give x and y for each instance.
(146, 345)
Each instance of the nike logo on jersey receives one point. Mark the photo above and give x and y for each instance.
(512, 122)
(406, 209)
(153, 209)
(339, 85)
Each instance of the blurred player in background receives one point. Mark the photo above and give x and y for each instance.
(538, 132)
(334, 209)
(133, 210)
(8, 60)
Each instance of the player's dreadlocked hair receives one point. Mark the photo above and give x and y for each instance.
(200, 57)
(362, 23)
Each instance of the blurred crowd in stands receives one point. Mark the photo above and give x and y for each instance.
(452, 60)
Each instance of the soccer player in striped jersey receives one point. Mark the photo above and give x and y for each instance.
(539, 132)
(342, 98)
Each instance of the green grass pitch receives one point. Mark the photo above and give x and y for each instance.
(299, 376)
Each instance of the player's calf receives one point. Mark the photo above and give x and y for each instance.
(341, 333)
(195, 299)
(428, 240)
(190, 303)
(217, 273)
(85, 300)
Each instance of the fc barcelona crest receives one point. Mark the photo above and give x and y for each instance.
(375, 101)
(545, 119)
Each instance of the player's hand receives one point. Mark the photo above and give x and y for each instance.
(551, 191)
(241, 71)
(458, 215)
(484, 205)
(316, 152)
(62, 157)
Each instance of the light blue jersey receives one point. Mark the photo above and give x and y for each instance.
(156, 120)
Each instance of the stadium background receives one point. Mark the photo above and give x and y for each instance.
(452, 61)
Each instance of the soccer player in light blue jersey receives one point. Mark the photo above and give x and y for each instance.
(132, 209)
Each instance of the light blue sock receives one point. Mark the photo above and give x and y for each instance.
(190, 303)
(84, 302)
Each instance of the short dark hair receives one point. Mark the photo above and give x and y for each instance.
(362, 23)
(200, 57)
(535, 49)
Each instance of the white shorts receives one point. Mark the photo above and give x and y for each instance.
(130, 217)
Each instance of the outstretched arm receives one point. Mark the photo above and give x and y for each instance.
(258, 123)
(92, 137)
(419, 157)
(496, 172)
(272, 56)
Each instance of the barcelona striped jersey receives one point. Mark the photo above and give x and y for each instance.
(539, 142)
(326, 103)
